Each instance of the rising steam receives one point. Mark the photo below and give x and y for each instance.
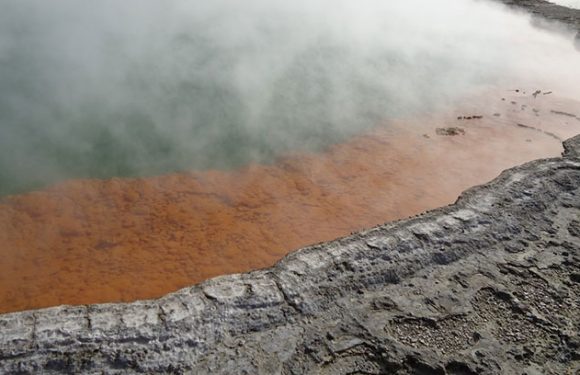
(567, 3)
(141, 87)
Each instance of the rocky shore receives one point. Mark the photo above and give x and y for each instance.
(490, 284)
(549, 11)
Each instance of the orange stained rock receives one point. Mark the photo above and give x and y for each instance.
(90, 241)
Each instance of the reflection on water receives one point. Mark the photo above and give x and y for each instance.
(88, 241)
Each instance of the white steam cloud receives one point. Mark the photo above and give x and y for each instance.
(567, 3)
(139, 87)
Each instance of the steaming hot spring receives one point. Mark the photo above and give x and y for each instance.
(147, 145)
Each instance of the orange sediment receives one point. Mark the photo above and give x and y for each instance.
(91, 241)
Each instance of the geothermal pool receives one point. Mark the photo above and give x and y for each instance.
(147, 146)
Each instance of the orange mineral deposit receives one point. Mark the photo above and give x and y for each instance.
(123, 239)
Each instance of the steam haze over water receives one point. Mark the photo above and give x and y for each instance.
(568, 3)
(142, 87)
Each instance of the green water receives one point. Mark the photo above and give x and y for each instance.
(194, 122)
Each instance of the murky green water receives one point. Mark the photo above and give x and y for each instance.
(101, 89)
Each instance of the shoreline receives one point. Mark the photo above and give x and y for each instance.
(488, 284)
(548, 11)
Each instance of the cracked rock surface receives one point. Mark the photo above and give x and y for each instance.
(488, 285)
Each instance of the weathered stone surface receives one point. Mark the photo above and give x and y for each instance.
(488, 285)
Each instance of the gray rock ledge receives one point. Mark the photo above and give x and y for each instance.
(542, 9)
(488, 285)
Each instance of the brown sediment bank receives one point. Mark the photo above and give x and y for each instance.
(91, 241)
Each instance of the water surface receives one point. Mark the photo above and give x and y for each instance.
(144, 87)
(148, 145)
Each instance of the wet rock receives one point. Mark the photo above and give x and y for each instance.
(572, 148)
(451, 131)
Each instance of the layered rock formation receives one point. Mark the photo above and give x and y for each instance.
(488, 285)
